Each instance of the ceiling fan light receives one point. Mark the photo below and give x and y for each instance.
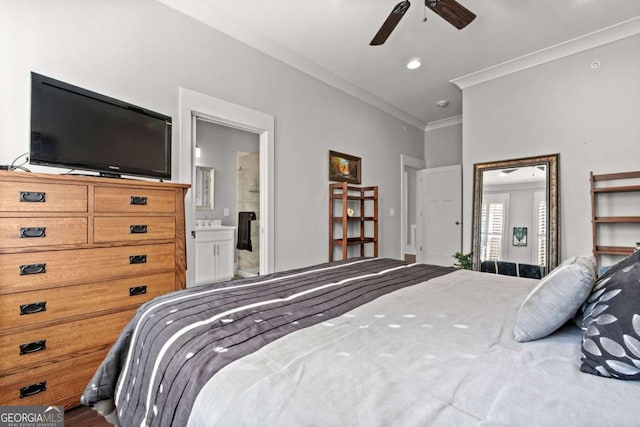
(414, 64)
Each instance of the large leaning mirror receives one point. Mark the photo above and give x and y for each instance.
(515, 216)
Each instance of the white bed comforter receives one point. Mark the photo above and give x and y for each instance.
(440, 353)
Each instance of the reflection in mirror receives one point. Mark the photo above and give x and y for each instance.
(515, 216)
(204, 188)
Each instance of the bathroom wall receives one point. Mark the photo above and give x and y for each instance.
(248, 199)
(219, 146)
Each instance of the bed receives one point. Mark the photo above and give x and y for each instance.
(360, 342)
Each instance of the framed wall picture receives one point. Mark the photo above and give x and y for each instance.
(519, 236)
(344, 167)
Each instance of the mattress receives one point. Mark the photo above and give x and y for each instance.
(435, 348)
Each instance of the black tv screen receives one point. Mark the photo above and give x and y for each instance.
(75, 128)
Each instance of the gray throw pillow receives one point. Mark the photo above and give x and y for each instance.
(556, 299)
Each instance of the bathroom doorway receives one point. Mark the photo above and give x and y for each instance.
(234, 156)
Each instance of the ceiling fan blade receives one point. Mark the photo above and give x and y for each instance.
(392, 20)
(452, 12)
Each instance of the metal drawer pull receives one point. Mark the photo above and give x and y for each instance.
(138, 200)
(33, 347)
(137, 259)
(32, 308)
(33, 269)
(138, 290)
(32, 389)
(32, 196)
(138, 229)
(26, 232)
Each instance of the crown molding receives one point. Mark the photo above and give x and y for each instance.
(450, 121)
(601, 37)
(204, 12)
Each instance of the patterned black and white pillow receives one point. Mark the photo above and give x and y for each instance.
(611, 315)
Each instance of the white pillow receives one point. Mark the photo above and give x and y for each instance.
(556, 299)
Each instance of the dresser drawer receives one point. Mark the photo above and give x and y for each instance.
(57, 382)
(138, 200)
(36, 197)
(33, 347)
(24, 272)
(124, 229)
(30, 232)
(61, 303)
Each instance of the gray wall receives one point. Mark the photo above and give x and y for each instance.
(142, 52)
(520, 213)
(589, 116)
(219, 146)
(443, 145)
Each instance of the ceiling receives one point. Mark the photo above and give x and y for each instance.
(329, 39)
(510, 176)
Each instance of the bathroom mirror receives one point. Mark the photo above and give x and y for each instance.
(204, 188)
(515, 212)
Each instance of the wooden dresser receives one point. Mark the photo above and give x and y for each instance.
(78, 255)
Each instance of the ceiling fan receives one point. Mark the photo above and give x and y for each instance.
(450, 10)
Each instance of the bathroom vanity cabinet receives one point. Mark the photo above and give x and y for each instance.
(215, 248)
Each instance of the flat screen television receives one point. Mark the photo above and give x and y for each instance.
(75, 128)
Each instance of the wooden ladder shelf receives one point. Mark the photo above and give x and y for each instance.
(353, 219)
(602, 184)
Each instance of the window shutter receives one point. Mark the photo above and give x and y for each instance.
(542, 232)
(492, 231)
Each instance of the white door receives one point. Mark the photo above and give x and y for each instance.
(224, 259)
(205, 262)
(439, 217)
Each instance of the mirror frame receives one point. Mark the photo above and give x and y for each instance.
(207, 173)
(551, 161)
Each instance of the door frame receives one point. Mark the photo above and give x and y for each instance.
(225, 113)
(406, 162)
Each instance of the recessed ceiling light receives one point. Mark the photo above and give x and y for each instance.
(414, 63)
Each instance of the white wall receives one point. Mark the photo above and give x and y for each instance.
(142, 52)
(589, 116)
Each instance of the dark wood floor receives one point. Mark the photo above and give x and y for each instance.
(84, 417)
